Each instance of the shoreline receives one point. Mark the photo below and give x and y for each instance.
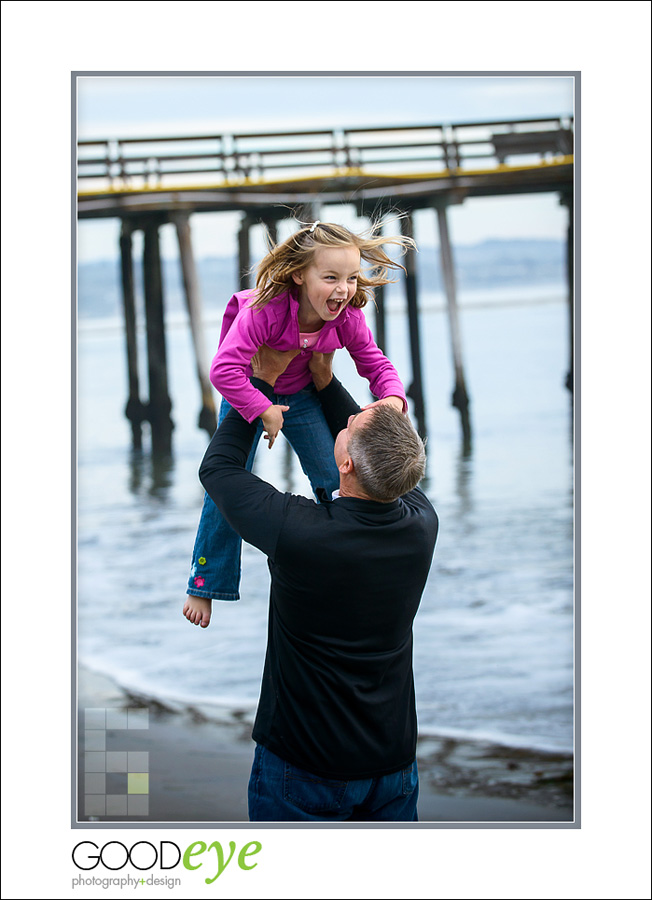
(198, 770)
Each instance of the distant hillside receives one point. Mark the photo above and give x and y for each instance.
(488, 264)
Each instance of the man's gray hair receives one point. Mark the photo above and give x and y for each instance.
(388, 455)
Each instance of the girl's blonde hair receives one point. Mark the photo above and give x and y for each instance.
(275, 271)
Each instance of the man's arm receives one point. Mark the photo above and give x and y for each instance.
(253, 508)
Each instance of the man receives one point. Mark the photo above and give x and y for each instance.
(336, 722)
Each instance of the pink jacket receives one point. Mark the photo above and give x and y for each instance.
(245, 329)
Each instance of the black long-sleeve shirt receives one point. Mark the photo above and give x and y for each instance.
(337, 695)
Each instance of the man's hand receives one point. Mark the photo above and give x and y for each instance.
(268, 364)
(396, 402)
(273, 422)
(321, 366)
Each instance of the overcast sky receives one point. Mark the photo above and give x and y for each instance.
(136, 106)
(142, 106)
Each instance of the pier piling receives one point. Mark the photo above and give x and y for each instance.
(460, 398)
(244, 253)
(379, 303)
(566, 200)
(160, 405)
(415, 391)
(309, 212)
(134, 411)
(381, 331)
(272, 229)
(207, 416)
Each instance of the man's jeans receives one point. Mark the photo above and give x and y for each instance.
(280, 792)
(215, 567)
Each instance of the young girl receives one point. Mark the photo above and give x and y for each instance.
(309, 294)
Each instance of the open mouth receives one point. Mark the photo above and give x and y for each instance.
(334, 306)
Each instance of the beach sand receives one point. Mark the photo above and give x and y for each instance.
(199, 769)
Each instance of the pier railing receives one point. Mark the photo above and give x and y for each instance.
(148, 162)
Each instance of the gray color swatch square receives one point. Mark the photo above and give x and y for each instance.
(116, 804)
(138, 805)
(95, 740)
(94, 762)
(116, 783)
(138, 761)
(95, 783)
(94, 805)
(116, 761)
(95, 718)
(116, 718)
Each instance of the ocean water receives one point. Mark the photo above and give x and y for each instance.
(494, 636)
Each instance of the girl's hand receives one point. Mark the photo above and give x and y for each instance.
(396, 402)
(273, 422)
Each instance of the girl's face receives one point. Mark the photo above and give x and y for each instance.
(328, 284)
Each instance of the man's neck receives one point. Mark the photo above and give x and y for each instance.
(349, 487)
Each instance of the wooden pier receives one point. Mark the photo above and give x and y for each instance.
(381, 171)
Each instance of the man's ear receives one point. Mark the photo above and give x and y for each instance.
(297, 277)
(346, 467)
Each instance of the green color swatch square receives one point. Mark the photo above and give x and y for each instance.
(138, 783)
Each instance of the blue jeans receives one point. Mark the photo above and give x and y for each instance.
(280, 792)
(215, 567)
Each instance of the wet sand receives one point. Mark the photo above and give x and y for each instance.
(199, 770)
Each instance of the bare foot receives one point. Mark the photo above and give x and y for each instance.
(198, 610)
